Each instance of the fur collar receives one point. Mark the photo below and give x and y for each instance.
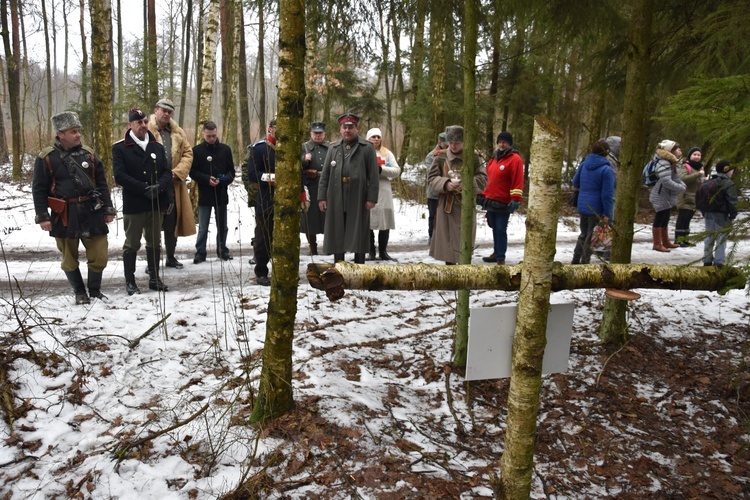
(666, 155)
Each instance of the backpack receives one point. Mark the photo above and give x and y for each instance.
(709, 197)
(649, 175)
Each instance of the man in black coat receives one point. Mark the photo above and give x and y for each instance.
(313, 153)
(213, 170)
(69, 179)
(261, 169)
(140, 167)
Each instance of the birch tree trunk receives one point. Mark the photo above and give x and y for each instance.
(533, 306)
(468, 215)
(12, 49)
(101, 96)
(209, 62)
(229, 51)
(614, 324)
(275, 396)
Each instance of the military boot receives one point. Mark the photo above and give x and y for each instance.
(95, 285)
(128, 264)
(371, 255)
(76, 281)
(154, 282)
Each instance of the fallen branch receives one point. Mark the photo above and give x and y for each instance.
(336, 279)
(156, 325)
(6, 398)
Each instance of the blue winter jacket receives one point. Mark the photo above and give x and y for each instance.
(596, 183)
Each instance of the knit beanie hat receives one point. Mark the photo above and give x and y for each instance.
(723, 167)
(668, 145)
(505, 136)
(693, 150)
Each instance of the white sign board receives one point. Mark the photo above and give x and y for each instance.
(491, 331)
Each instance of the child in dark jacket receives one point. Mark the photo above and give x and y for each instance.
(720, 216)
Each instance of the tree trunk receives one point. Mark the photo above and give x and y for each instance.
(101, 96)
(152, 62)
(209, 62)
(12, 48)
(199, 65)
(242, 82)
(84, 63)
(120, 60)
(275, 395)
(533, 307)
(336, 279)
(416, 74)
(66, 30)
(385, 48)
(48, 70)
(312, 32)
(468, 217)
(399, 70)
(614, 324)
(438, 23)
(186, 28)
(261, 71)
(229, 50)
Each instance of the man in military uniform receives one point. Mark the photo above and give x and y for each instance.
(432, 196)
(179, 222)
(348, 190)
(69, 179)
(140, 167)
(213, 170)
(313, 153)
(261, 169)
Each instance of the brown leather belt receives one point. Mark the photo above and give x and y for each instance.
(78, 199)
(345, 180)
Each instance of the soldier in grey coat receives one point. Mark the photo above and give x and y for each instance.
(348, 190)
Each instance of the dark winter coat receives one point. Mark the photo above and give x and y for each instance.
(342, 197)
(136, 169)
(728, 193)
(664, 193)
(445, 244)
(202, 170)
(262, 159)
(84, 177)
(692, 176)
(596, 183)
(314, 220)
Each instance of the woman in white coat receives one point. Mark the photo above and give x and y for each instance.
(382, 218)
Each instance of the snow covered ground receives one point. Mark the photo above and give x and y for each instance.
(380, 415)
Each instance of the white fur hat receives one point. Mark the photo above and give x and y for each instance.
(374, 131)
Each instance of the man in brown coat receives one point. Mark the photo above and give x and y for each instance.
(180, 221)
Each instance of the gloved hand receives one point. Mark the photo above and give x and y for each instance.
(311, 173)
(513, 206)
(223, 179)
(152, 192)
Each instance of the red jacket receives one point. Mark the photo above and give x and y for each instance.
(505, 178)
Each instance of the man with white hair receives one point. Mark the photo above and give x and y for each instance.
(69, 180)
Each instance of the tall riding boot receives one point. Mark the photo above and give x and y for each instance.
(76, 281)
(665, 239)
(359, 258)
(656, 234)
(371, 255)
(383, 245)
(154, 282)
(313, 244)
(95, 285)
(128, 263)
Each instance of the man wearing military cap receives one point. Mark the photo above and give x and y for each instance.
(313, 153)
(69, 180)
(180, 221)
(347, 192)
(140, 167)
(432, 196)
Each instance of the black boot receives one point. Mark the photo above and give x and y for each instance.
(128, 263)
(359, 258)
(371, 255)
(95, 285)
(154, 282)
(76, 281)
(311, 240)
(383, 245)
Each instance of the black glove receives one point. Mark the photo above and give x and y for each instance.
(152, 192)
(222, 179)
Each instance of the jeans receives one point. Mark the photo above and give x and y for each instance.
(582, 252)
(499, 224)
(204, 218)
(715, 243)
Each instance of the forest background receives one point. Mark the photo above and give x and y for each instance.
(397, 64)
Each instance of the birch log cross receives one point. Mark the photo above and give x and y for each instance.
(536, 279)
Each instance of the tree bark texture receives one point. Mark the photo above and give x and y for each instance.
(632, 158)
(209, 61)
(101, 82)
(468, 213)
(335, 280)
(261, 72)
(242, 83)
(229, 53)
(186, 29)
(275, 396)
(84, 62)
(438, 30)
(152, 62)
(12, 52)
(47, 72)
(533, 307)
